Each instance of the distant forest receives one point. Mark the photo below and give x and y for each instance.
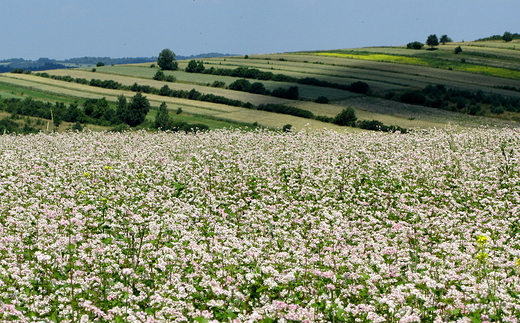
(43, 63)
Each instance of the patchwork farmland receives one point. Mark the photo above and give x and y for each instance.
(486, 67)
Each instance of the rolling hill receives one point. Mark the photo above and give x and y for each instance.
(408, 88)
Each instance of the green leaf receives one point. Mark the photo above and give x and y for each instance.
(201, 319)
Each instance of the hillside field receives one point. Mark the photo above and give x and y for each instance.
(489, 67)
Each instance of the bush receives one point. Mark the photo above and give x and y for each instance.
(347, 117)
(219, 84)
(284, 109)
(291, 93)
(497, 109)
(159, 76)
(240, 85)
(371, 125)
(360, 87)
(413, 97)
(322, 99)
(415, 45)
(458, 50)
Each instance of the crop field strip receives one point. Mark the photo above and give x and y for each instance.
(429, 62)
(391, 73)
(128, 80)
(408, 70)
(306, 91)
(220, 111)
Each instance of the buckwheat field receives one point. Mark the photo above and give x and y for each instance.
(260, 226)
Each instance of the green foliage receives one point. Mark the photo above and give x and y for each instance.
(99, 64)
(413, 97)
(240, 85)
(162, 118)
(445, 39)
(284, 109)
(287, 128)
(166, 60)
(218, 84)
(457, 50)
(432, 41)
(136, 110)
(159, 76)
(8, 125)
(77, 126)
(195, 66)
(121, 107)
(322, 99)
(258, 88)
(507, 37)
(347, 117)
(290, 93)
(360, 87)
(415, 45)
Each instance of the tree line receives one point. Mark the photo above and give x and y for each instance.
(464, 101)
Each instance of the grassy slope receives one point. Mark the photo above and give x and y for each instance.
(384, 68)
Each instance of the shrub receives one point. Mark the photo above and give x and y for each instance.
(159, 76)
(322, 99)
(218, 84)
(415, 45)
(413, 97)
(347, 117)
(360, 87)
(458, 50)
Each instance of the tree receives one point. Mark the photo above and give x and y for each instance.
(100, 109)
(122, 107)
(166, 60)
(100, 64)
(347, 117)
(445, 39)
(137, 110)
(458, 50)
(507, 36)
(159, 76)
(195, 66)
(192, 66)
(162, 119)
(240, 85)
(432, 41)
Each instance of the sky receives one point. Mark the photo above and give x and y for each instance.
(61, 29)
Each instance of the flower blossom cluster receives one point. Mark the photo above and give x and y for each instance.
(259, 226)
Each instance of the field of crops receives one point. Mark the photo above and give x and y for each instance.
(490, 67)
(260, 227)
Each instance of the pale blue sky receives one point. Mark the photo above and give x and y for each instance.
(63, 29)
